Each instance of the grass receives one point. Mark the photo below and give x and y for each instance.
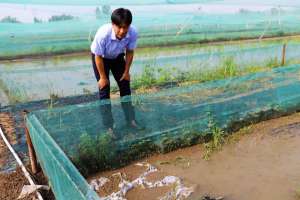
(14, 94)
(160, 77)
(220, 138)
(273, 62)
(94, 153)
(216, 142)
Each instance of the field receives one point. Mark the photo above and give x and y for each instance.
(215, 95)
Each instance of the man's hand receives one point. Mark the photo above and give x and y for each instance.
(102, 83)
(125, 76)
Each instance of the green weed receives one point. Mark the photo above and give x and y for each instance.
(217, 140)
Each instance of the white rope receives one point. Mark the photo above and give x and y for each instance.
(26, 173)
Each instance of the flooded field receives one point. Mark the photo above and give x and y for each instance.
(61, 76)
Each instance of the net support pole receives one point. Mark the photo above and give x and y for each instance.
(31, 151)
(283, 55)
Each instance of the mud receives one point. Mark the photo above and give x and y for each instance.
(260, 162)
(11, 185)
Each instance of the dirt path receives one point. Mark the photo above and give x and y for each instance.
(262, 164)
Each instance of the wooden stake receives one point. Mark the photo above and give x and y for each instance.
(31, 151)
(283, 55)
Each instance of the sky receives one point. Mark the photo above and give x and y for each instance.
(26, 12)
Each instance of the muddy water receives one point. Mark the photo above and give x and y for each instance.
(264, 164)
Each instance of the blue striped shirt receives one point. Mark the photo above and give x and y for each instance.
(106, 44)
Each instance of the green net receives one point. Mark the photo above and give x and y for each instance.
(71, 76)
(35, 27)
(172, 118)
(65, 180)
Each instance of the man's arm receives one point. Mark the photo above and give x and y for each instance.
(100, 66)
(128, 62)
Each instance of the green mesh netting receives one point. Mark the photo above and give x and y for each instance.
(51, 29)
(65, 180)
(63, 77)
(173, 118)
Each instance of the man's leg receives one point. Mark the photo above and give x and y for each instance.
(104, 95)
(118, 68)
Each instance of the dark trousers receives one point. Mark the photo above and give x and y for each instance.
(117, 67)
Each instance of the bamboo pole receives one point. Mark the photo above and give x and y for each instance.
(31, 151)
(283, 55)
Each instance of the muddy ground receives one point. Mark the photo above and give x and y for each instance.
(12, 181)
(260, 162)
(11, 185)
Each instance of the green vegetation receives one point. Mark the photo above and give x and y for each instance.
(102, 152)
(9, 19)
(160, 77)
(106, 9)
(273, 62)
(36, 20)
(61, 18)
(15, 95)
(94, 153)
(98, 13)
(217, 139)
(146, 79)
(104, 12)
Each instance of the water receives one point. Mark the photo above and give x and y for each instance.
(37, 79)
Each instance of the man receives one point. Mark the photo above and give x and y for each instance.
(111, 43)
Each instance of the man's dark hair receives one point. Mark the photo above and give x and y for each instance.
(121, 17)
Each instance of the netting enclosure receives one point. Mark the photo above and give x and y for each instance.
(51, 27)
(65, 77)
(74, 135)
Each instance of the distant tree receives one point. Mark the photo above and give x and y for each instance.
(106, 10)
(103, 12)
(244, 11)
(36, 20)
(98, 13)
(62, 17)
(275, 11)
(9, 19)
